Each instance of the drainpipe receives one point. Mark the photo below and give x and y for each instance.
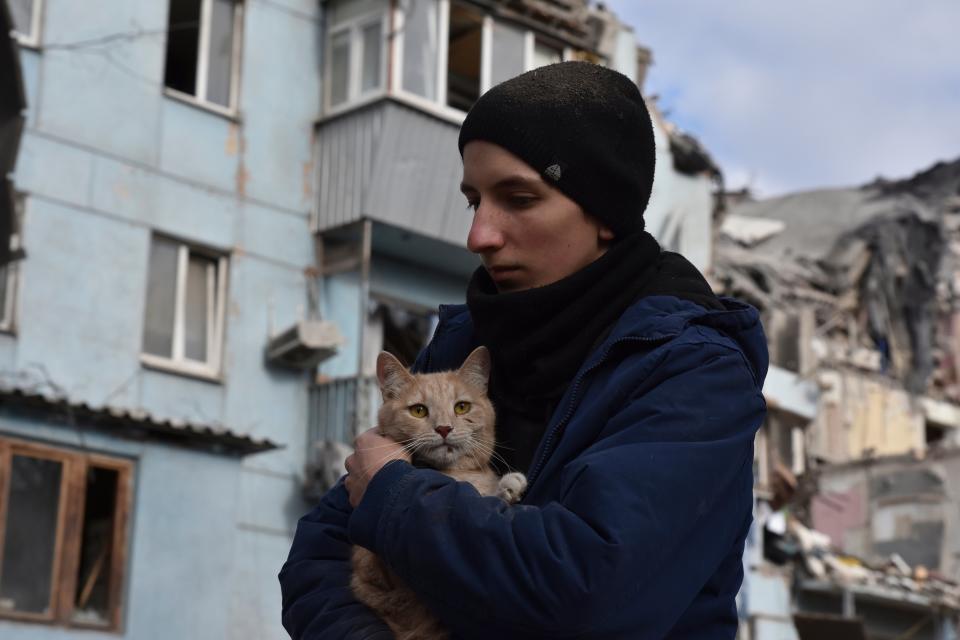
(363, 415)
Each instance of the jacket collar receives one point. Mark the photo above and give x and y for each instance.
(649, 318)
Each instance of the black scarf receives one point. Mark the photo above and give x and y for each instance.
(540, 337)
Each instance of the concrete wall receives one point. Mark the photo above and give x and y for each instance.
(865, 415)
(910, 507)
(106, 160)
(680, 213)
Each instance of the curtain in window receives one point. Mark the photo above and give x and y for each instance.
(420, 38)
(220, 71)
(507, 54)
(161, 298)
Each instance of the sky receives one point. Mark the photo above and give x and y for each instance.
(791, 96)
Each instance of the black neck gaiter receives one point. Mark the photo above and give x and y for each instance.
(539, 338)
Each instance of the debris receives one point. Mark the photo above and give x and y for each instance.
(750, 231)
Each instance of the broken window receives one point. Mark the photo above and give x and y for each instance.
(26, 20)
(183, 325)
(400, 328)
(9, 273)
(464, 61)
(202, 50)
(62, 535)
(356, 60)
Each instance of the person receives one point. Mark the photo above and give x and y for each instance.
(625, 389)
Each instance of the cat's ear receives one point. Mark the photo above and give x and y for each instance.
(476, 368)
(392, 375)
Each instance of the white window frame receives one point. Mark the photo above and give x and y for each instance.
(12, 269)
(199, 98)
(216, 285)
(32, 39)
(355, 95)
(439, 106)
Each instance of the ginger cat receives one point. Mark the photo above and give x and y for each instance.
(446, 422)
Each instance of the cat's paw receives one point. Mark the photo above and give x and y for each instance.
(511, 486)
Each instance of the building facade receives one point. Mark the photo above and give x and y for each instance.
(204, 187)
(149, 457)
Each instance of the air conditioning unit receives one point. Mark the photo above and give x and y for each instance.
(304, 345)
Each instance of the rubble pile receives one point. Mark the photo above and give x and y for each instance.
(894, 578)
(876, 270)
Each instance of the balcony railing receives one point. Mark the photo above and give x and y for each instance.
(341, 408)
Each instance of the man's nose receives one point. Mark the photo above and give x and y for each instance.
(485, 235)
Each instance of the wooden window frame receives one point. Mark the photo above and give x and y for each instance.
(178, 362)
(199, 96)
(70, 519)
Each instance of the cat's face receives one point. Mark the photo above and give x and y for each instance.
(443, 419)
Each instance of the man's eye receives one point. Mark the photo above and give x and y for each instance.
(522, 201)
(418, 411)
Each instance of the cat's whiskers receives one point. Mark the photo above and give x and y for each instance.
(489, 451)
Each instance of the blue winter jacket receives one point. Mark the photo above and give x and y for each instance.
(633, 524)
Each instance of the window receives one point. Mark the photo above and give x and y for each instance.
(9, 272)
(507, 56)
(183, 325)
(421, 27)
(203, 51)
(63, 535)
(406, 329)
(26, 20)
(464, 59)
(356, 60)
(450, 53)
(544, 54)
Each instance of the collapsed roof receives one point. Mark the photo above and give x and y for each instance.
(877, 263)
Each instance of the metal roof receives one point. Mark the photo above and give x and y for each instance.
(137, 423)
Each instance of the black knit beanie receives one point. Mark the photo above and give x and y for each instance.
(584, 127)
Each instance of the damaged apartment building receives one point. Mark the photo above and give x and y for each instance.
(858, 465)
(220, 210)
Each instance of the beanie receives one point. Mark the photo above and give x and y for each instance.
(584, 128)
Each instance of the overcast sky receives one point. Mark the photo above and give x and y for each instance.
(791, 96)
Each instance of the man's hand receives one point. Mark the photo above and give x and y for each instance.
(371, 452)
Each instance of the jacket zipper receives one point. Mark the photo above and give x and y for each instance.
(573, 396)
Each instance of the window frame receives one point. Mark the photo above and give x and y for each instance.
(439, 106)
(199, 97)
(178, 362)
(32, 39)
(355, 26)
(70, 513)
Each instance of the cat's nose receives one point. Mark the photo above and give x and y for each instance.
(443, 431)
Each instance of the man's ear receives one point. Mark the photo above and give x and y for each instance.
(605, 234)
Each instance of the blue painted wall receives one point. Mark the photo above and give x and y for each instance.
(106, 160)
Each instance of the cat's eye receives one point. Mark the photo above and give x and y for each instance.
(461, 408)
(418, 411)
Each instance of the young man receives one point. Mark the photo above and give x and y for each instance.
(625, 390)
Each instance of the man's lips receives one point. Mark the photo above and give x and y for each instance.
(502, 272)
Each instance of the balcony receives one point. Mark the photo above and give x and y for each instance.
(391, 163)
(341, 408)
